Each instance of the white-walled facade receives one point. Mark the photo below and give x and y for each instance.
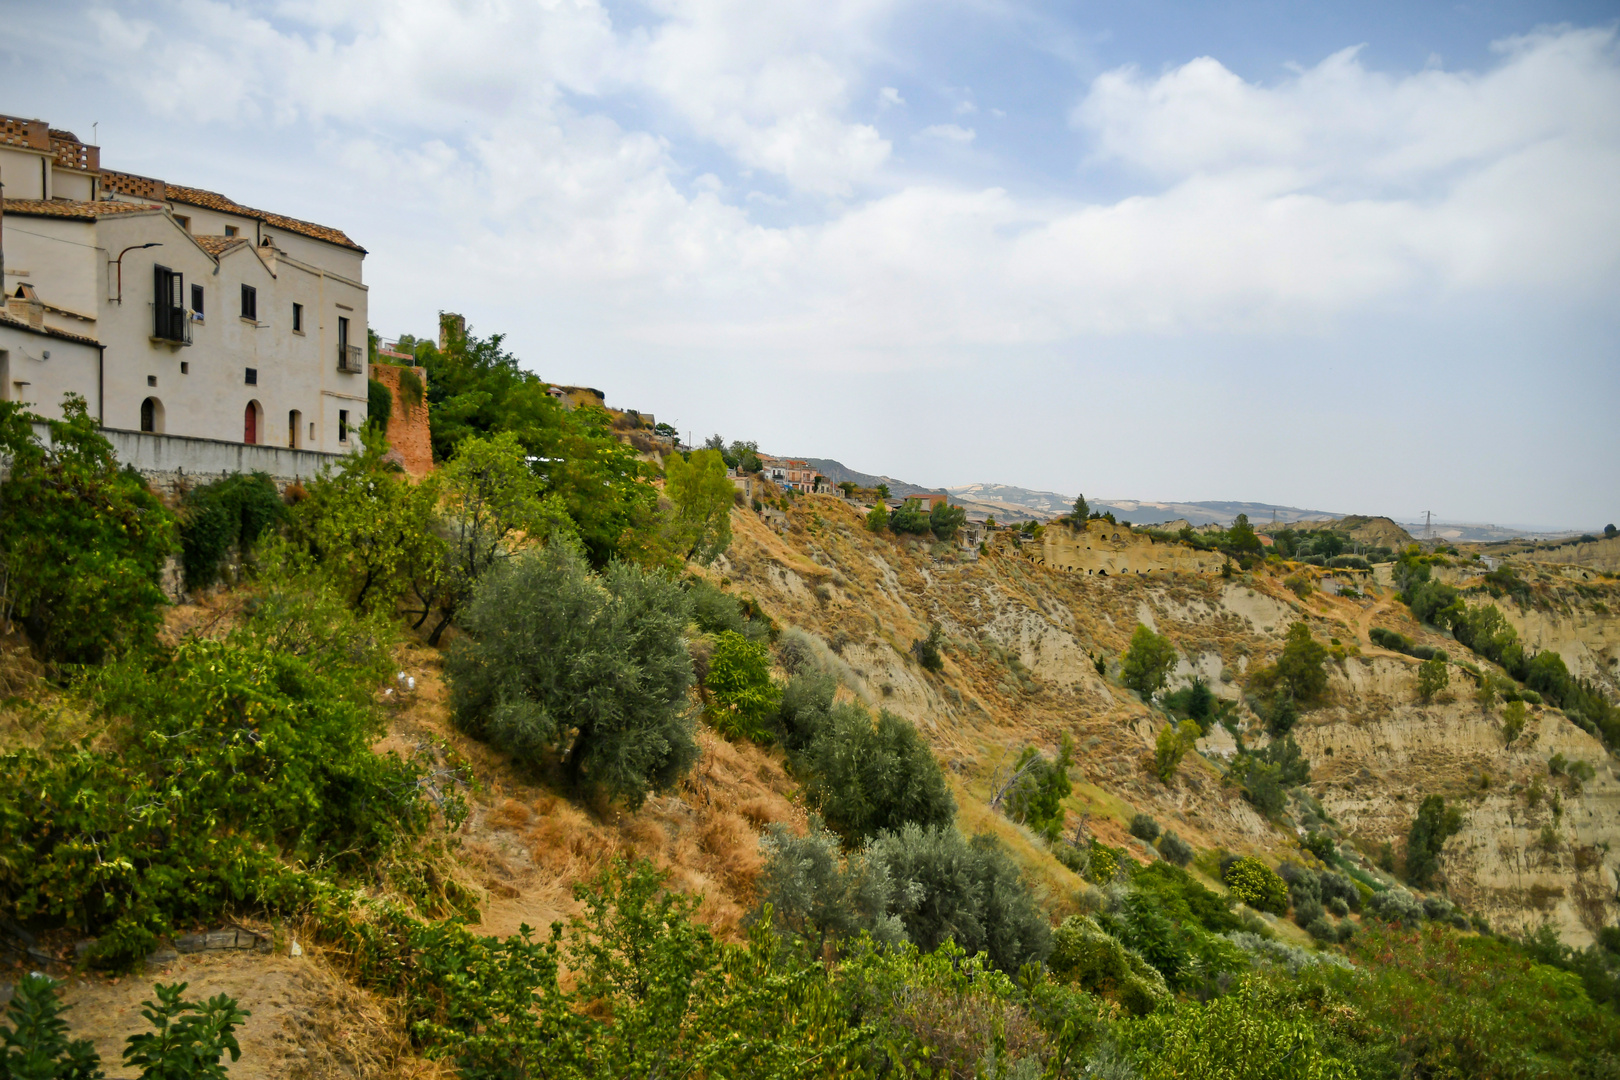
(213, 320)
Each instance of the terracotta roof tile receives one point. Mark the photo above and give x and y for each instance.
(212, 200)
(76, 211)
(218, 245)
(45, 331)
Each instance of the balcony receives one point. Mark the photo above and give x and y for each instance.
(171, 325)
(349, 359)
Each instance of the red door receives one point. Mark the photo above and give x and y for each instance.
(250, 424)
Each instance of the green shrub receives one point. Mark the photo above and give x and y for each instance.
(277, 763)
(1174, 849)
(1089, 957)
(1143, 827)
(1267, 775)
(877, 518)
(1300, 673)
(231, 512)
(1148, 661)
(83, 542)
(34, 1043)
(1257, 885)
(816, 892)
(742, 697)
(190, 1038)
(590, 673)
(949, 887)
(866, 778)
(927, 650)
(805, 710)
(1173, 744)
(188, 1041)
(379, 405)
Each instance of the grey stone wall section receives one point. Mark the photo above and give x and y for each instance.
(178, 461)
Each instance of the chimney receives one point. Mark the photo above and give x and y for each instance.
(26, 306)
(452, 330)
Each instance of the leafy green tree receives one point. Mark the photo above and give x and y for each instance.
(945, 520)
(1173, 743)
(476, 387)
(189, 1038)
(1610, 532)
(379, 405)
(1148, 661)
(591, 673)
(877, 518)
(34, 1043)
(882, 492)
(911, 519)
(490, 507)
(848, 488)
(1434, 675)
(1081, 510)
(1301, 669)
(1242, 538)
(1039, 788)
(1267, 776)
(865, 778)
(746, 455)
(83, 542)
(371, 529)
(1434, 825)
(947, 887)
(703, 496)
(742, 696)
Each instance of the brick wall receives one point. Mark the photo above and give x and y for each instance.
(408, 431)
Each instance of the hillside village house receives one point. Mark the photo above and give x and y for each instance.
(789, 472)
(172, 309)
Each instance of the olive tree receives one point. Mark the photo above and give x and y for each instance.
(563, 667)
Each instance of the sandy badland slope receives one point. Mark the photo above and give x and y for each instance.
(1019, 669)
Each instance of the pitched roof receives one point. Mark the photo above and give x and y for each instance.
(10, 323)
(218, 245)
(74, 211)
(212, 200)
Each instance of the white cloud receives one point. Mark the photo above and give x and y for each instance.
(950, 133)
(889, 97)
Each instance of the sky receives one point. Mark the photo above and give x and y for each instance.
(1353, 257)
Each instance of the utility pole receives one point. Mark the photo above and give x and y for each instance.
(1428, 527)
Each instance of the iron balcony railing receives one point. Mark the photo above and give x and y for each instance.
(349, 359)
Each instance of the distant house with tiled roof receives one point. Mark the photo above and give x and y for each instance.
(209, 319)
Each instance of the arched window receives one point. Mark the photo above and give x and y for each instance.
(250, 423)
(152, 415)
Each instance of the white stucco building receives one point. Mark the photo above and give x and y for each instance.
(171, 309)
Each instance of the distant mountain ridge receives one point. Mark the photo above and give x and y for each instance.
(1009, 503)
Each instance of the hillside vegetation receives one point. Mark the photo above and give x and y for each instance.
(562, 762)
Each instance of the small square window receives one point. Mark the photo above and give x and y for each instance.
(343, 425)
(197, 301)
(151, 380)
(231, 230)
(185, 367)
(253, 376)
(183, 221)
(250, 303)
(298, 318)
